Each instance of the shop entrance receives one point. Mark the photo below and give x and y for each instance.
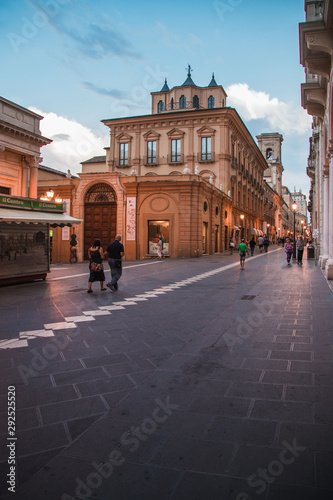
(100, 216)
(204, 237)
(158, 228)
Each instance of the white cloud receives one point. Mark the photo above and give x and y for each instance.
(253, 105)
(72, 142)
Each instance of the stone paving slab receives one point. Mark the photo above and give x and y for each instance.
(188, 392)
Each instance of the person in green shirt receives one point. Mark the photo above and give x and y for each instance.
(242, 252)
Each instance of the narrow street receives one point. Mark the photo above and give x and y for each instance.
(195, 380)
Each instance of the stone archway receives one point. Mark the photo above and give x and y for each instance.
(100, 215)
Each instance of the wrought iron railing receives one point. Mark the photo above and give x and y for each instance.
(205, 157)
(175, 158)
(152, 161)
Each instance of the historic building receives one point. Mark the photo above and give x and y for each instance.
(316, 44)
(188, 170)
(25, 221)
(276, 211)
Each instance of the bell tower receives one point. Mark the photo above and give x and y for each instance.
(270, 145)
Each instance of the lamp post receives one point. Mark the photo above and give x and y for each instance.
(242, 219)
(268, 226)
(294, 208)
(302, 222)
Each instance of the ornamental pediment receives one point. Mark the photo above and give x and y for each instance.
(151, 135)
(206, 131)
(176, 133)
(124, 137)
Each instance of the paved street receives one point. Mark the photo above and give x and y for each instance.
(196, 380)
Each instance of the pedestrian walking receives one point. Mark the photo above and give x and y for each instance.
(300, 244)
(261, 243)
(231, 246)
(159, 248)
(242, 252)
(115, 252)
(96, 254)
(252, 245)
(266, 243)
(289, 250)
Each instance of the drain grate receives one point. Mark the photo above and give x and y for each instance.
(248, 297)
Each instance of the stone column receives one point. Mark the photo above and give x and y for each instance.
(329, 223)
(33, 163)
(25, 177)
(325, 231)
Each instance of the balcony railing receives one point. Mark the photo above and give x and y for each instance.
(206, 157)
(122, 162)
(175, 159)
(151, 161)
(177, 106)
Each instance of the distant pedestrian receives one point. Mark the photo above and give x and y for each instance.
(252, 245)
(95, 254)
(266, 243)
(115, 252)
(261, 243)
(289, 250)
(300, 244)
(231, 246)
(242, 252)
(159, 248)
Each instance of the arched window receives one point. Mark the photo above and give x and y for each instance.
(182, 102)
(172, 103)
(160, 107)
(269, 153)
(211, 102)
(195, 101)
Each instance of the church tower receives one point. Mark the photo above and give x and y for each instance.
(270, 145)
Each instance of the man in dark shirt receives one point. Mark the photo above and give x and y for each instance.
(116, 252)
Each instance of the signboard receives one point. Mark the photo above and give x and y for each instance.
(28, 203)
(65, 232)
(131, 218)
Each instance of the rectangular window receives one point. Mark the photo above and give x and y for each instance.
(151, 152)
(206, 148)
(176, 150)
(4, 190)
(158, 228)
(123, 153)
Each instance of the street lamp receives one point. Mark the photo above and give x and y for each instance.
(294, 208)
(242, 219)
(302, 222)
(268, 225)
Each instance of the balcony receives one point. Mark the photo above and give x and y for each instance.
(206, 157)
(175, 159)
(151, 161)
(177, 106)
(122, 162)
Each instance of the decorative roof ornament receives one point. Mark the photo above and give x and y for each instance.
(189, 81)
(213, 82)
(165, 87)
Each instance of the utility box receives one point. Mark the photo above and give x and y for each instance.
(310, 251)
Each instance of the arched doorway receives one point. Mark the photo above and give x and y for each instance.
(100, 215)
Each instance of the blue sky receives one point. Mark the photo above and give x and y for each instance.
(78, 61)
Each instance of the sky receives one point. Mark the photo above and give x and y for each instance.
(77, 62)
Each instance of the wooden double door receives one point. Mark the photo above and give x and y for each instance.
(100, 223)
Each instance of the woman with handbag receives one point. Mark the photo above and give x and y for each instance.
(96, 254)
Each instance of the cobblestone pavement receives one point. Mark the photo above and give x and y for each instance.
(195, 380)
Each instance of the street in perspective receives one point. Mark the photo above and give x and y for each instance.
(195, 376)
(166, 250)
